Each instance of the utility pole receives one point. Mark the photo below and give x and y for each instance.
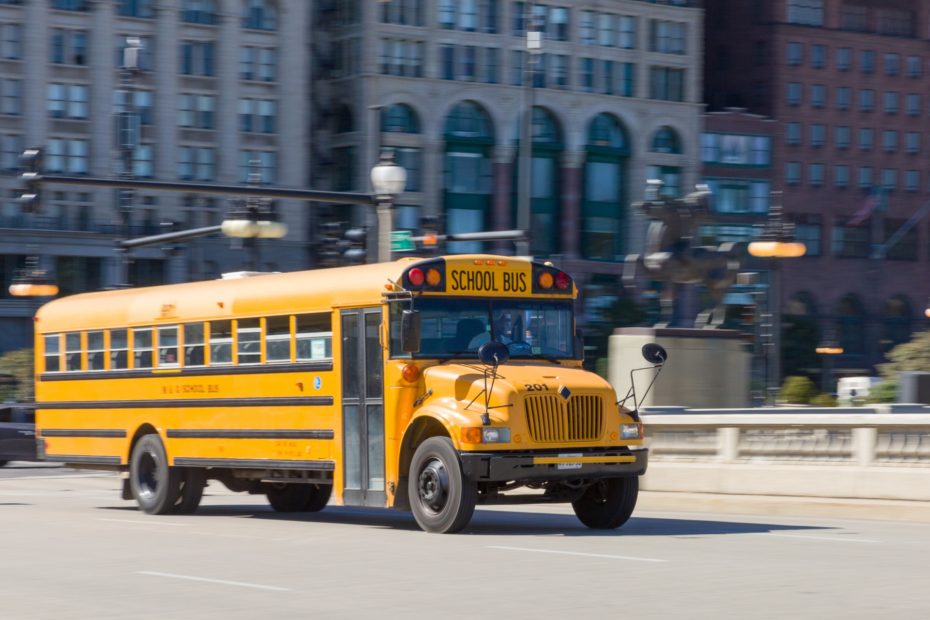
(525, 171)
(128, 131)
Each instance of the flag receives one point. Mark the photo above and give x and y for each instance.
(865, 211)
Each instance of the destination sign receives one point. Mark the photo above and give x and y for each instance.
(488, 281)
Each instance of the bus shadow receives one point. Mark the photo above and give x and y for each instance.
(509, 523)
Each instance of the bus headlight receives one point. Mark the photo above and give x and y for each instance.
(629, 431)
(495, 435)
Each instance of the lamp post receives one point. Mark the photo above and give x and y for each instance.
(828, 348)
(33, 281)
(388, 181)
(128, 130)
(776, 242)
(525, 172)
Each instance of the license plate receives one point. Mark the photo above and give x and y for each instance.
(569, 465)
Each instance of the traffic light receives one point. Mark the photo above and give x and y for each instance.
(328, 242)
(355, 251)
(429, 224)
(31, 178)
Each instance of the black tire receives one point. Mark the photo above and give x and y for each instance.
(155, 485)
(441, 498)
(288, 497)
(192, 482)
(607, 504)
(319, 497)
(2, 463)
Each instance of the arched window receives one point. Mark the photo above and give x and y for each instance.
(399, 118)
(544, 178)
(603, 208)
(260, 15)
(666, 140)
(345, 121)
(850, 318)
(199, 12)
(468, 173)
(896, 322)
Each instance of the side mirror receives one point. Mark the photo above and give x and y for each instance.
(410, 331)
(654, 353)
(493, 353)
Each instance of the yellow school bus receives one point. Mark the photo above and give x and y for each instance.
(429, 385)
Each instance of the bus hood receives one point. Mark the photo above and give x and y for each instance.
(465, 382)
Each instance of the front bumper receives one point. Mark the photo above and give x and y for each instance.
(551, 465)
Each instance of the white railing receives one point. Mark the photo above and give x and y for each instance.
(879, 452)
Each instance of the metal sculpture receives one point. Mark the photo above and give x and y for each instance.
(673, 256)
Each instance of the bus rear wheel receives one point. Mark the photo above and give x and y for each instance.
(155, 486)
(441, 497)
(298, 497)
(192, 482)
(607, 504)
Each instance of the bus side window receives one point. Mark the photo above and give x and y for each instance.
(220, 343)
(95, 351)
(52, 349)
(119, 348)
(72, 352)
(193, 344)
(168, 346)
(142, 348)
(314, 337)
(249, 337)
(278, 339)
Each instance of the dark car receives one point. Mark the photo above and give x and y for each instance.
(17, 434)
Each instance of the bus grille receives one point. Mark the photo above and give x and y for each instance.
(552, 419)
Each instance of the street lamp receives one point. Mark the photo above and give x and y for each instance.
(253, 220)
(828, 348)
(129, 130)
(388, 181)
(776, 242)
(525, 171)
(32, 281)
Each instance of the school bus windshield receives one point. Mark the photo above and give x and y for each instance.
(455, 327)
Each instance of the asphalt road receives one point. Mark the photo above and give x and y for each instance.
(72, 549)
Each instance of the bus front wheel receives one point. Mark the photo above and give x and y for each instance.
(154, 484)
(607, 504)
(441, 498)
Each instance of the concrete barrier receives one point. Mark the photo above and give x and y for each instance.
(877, 452)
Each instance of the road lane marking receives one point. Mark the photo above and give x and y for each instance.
(152, 522)
(578, 553)
(829, 538)
(223, 582)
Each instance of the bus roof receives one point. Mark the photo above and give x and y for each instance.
(258, 295)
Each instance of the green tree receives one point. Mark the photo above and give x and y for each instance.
(19, 366)
(913, 355)
(798, 390)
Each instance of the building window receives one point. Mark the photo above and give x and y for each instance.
(11, 96)
(196, 163)
(914, 66)
(198, 58)
(403, 58)
(11, 41)
(199, 12)
(866, 138)
(818, 56)
(402, 12)
(890, 101)
(792, 173)
(808, 231)
(196, 111)
(557, 24)
(841, 136)
(260, 15)
(896, 22)
(818, 134)
(69, 47)
(740, 195)
(558, 68)
(912, 180)
(586, 74)
(815, 174)
(70, 5)
(818, 95)
(793, 134)
(841, 175)
(866, 100)
(889, 141)
(865, 177)
(889, 179)
(795, 53)
(854, 17)
(143, 101)
(67, 155)
(258, 63)
(136, 8)
(667, 84)
(447, 58)
(399, 118)
(794, 93)
(805, 12)
(411, 160)
(912, 142)
(666, 140)
(843, 97)
(261, 163)
(667, 37)
(257, 115)
(912, 104)
(867, 61)
(892, 64)
(843, 58)
(67, 101)
(491, 65)
(850, 241)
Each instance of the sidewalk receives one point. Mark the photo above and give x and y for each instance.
(884, 510)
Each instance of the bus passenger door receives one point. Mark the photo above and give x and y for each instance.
(363, 408)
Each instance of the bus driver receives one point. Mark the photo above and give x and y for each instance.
(503, 326)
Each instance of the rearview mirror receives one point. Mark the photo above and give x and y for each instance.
(654, 353)
(493, 353)
(410, 331)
